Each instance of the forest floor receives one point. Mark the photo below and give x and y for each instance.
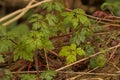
(80, 69)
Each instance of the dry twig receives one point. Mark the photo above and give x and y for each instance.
(24, 10)
(87, 73)
(79, 75)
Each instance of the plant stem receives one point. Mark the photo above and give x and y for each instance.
(36, 64)
(46, 59)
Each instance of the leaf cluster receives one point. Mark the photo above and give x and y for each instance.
(48, 75)
(52, 6)
(80, 36)
(71, 52)
(98, 61)
(24, 41)
(28, 77)
(77, 17)
(112, 6)
(29, 43)
(8, 37)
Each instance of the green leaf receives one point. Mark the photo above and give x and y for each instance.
(44, 28)
(22, 54)
(73, 46)
(52, 19)
(84, 20)
(52, 6)
(89, 49)
(36, 25)
(38, 16)
(79, 11)
(35, 18)
(58, 6)
(48, 6)
(65, 48)
(75, 22)
(48, 75)
(80, 52)
(31, 46)
(18, 31)
(2, 31)
(80, 36)
(68, 17)
(61, 53)
(24, 51)
(70, 59)
(109, 6)
(5, 45)
(28, 77)
(1, 58)
(39, 44)
(73, 53)
(64, 51)
(93, 63)
(112, 6)
(48, 44)
(53, 30)
(100, 60)
(65, 14)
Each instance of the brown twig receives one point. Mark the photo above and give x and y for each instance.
(102, 19)
(87, 73)
(36, 64)
(102, 33)
(21, 10)
(25, 72)
(68, 72)
(54, 53)
(20, 15)
(92, 79)
(79, 75)
(46, 59)
(111, 55)
(116, 66)
(109, 24)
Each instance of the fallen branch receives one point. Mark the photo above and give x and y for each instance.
(68, 72)
(116, 18)
(79, 75)
(20, 15)
(87, 73)
(21, 10)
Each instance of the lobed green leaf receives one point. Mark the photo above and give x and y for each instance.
(1, 58)
(80, 52)
(73, 46)
(70, 59)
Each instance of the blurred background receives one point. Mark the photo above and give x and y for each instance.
(8, 6)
